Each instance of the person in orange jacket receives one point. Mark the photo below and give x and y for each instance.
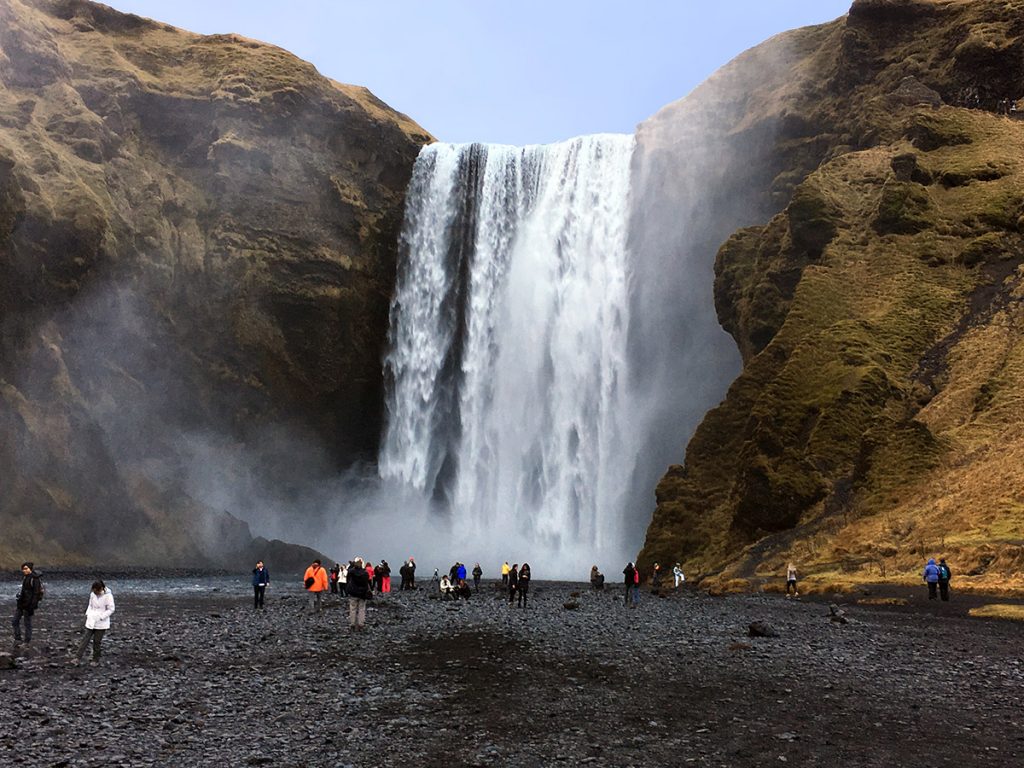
(315, 582)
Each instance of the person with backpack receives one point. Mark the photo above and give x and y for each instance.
(333, 578)
(384, 574)
(931, 577)
(260, 580)
(315, 581)
(629, 579)
(358, 594)
(29, 595)
(945, 574)
(97, 621)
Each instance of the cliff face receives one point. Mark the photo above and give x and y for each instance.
(874, 298)
(197, 236)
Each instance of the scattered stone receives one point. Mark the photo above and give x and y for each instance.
(837, 614)
(762, 629)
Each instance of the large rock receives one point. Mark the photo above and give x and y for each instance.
(197, 246)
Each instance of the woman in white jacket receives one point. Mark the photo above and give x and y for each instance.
(97, 621)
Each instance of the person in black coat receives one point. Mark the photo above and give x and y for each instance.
(358, 592)
(513, 583)
(945, 574)
(28, 600)
(629, 579)
(524, 584)
(478, 572)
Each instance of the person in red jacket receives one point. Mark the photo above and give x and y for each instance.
(315, 582)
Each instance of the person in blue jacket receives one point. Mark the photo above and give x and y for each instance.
(931, 577)
(260, 579)
(460, 574)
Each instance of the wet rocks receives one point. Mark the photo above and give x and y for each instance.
(762, 629)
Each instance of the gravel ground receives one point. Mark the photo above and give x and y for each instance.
(204, 680)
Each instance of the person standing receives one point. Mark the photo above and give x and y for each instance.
(371, 573)
(478, 573)
(513, 583)
(404, 573)
(524, 584)
(628, 579)
(97, 621)
(945, 574)
(384, 573)
(460, 572)
(504, 574)
(343, 580)
(260, 580)
(335, 570)
(29, 595)
(678, 575)
(931, 577)
(315, 581)
(358, 593)
(791, 580)
(656, 579)
(412, 572)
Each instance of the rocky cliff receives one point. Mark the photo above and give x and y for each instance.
(873, 287)
(197, 241)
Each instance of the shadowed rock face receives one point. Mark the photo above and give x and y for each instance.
(196, 234)
(873, 292)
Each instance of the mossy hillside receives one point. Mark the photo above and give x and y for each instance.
(841, 459)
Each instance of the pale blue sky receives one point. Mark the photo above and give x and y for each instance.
(514, 71)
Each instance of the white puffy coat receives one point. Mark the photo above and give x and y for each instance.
(97, 615)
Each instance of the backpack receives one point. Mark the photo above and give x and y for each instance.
(943, 573)
(42, 590)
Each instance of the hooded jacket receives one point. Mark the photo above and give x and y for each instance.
(931, 572)
(260, 577)
(97, 615)
(358, 582)
(31, 593)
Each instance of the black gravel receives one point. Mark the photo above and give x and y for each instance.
(204, 680)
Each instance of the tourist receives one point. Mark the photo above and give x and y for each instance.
(384, 574)
(368, 567)
(945, 574)
(931, 577)
(478, 573)
(656, 579)
(791, 581)
(97, 621)
(358, 588)
(343, 580)
(504, 574)
(335, 570)
(315, 581)
(434, 579)
(462, 590)
(412, 572)
(260, 580)
(678, 575)
(629, 579)
(524, 584)
(636, 587)
(27, 602)
(460, 572)
(445, 587)
(404, 573)
(596, 578)
(513, 583)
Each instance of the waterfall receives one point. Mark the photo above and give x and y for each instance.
(508, 393)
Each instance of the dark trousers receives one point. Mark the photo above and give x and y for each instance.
(343, 588)
(944, 590)
(19, 614)
(931, 590)
(504, 579)
(476, 583)
(259, 590)
(790, 585)
(96, 636)
(523, 589)
(512, 588)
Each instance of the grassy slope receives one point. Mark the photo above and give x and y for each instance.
(877, 420)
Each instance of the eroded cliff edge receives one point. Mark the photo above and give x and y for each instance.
(197, 237)
(874, 298)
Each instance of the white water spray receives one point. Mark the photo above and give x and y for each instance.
(508, 393)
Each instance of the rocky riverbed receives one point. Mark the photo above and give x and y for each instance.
(201, 679)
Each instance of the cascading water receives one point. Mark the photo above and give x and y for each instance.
(508, 393)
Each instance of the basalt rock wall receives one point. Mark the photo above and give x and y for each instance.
(197, 237)
(872, 174)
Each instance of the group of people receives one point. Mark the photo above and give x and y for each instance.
(937, 576)
(516, 580)
(97, 613)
